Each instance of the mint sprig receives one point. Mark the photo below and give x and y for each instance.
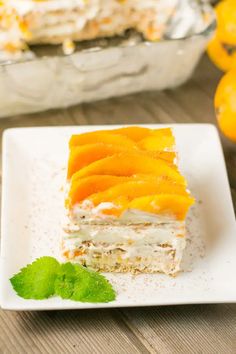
(65, 281)
(46, 277)
(36, 281)
(91, 287)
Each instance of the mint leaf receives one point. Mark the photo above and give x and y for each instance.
(91, 287)
(36, 281)
(65, 280)
(46, 277)
(77, 283)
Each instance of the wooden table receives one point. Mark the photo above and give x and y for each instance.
(173, 329)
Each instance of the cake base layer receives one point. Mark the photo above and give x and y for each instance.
(126, 248)
(164, 261)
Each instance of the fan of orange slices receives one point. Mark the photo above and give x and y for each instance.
(131, 167)
(222, 51)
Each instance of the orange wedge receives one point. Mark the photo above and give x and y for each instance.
(132, 133)
(164, 204)
(169, 156)
(82, 188)
(138, 133)
(81, 156)
(101, 137)
(154, 143)
(128, 164)
(137, 188)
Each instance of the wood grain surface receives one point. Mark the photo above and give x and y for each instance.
(173, 329)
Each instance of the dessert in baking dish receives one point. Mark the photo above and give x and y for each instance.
(25, 22)
(126, 201)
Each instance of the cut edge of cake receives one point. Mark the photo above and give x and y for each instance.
(126, 214)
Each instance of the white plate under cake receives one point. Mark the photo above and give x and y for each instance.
(33, 194)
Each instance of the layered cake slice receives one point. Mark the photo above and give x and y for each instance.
(126, 201)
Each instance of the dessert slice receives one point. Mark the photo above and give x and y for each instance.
(126, 202)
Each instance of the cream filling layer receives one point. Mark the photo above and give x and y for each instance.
(87, 213)
(132, 241)
(113, 234)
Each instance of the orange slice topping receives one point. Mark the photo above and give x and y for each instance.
(132, 133)
(81, 156)
(154, 143)
(81, 189)
(101, 137)
(139, 133)
(168, 204)
(128, 164)
(129, 168)
(137, 188)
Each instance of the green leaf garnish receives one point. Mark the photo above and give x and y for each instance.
(91, 286)
(81, 284)
(46, 277)
(36, 281)
(64, 283)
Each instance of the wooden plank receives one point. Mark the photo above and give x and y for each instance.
(186, 329)
(66, 332)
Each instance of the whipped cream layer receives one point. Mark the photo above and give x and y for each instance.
(139, 234)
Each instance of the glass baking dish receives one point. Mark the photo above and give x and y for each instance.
(97, 70)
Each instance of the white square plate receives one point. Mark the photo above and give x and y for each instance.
(34, 161)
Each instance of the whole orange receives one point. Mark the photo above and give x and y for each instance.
(222, 48)
(221, 55)
(225, 104)
(226, 21)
